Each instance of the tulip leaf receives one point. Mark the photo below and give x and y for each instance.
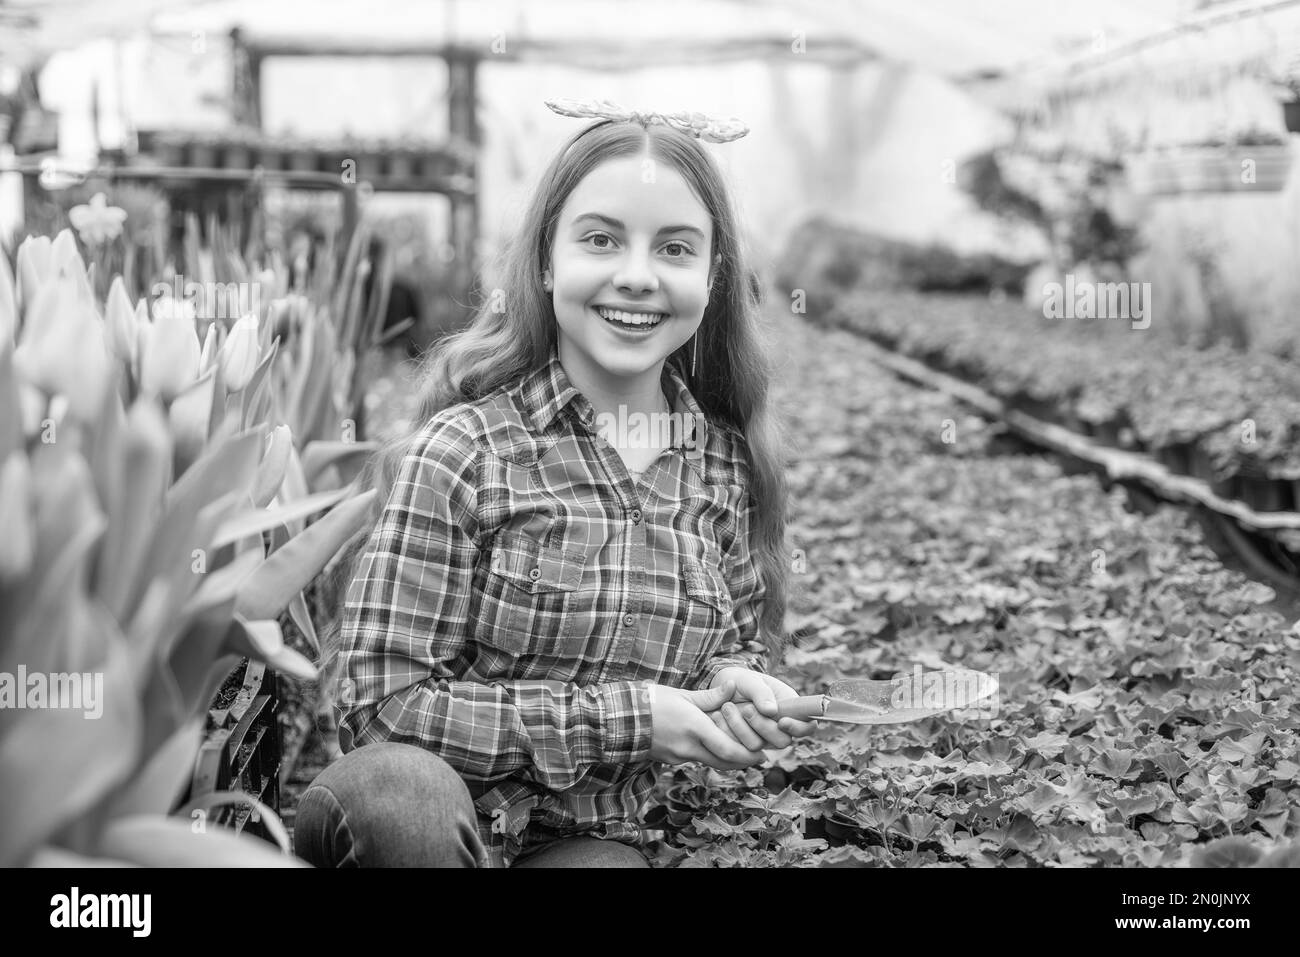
(257, 385)
(51, 856)
(228, 465)
(163, 704)
(189, 417)
(152, 841)
(45, 627)
(220, 395)
(58, 763)
(198, 661)
(192, 557)
(316, 405)
(294, 487)
(155, 787)
(8, 304)
(221, 584)
(11, 421)
(18, 545)
(66, 501)
(207, 802)
(106, 443)
(270, 473)
(256, 521)
(289, 569)
(263, 641)
(319, 455)
(133, 515)
(302, 618)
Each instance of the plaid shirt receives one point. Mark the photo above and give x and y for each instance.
(520, 593)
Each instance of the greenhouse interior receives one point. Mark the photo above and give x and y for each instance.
(974, 543)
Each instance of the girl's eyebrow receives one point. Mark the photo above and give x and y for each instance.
(610, 221)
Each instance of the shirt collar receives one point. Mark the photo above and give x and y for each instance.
(547, 391)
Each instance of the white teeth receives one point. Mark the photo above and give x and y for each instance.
(631, 318)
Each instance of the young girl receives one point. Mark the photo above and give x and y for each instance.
(552, 604)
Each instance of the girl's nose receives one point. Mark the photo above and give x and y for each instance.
(635, 273)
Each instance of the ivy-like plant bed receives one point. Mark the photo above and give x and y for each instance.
(1147, 714)
(1235, 415)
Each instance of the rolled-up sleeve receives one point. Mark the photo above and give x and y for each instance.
(407, 619)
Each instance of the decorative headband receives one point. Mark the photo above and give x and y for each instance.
(701, 126)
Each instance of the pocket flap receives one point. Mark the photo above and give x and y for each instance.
(705, 583)
(536, 567)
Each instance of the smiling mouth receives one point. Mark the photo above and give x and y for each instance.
(631, 320)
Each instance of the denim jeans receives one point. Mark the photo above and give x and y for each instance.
(398, 805)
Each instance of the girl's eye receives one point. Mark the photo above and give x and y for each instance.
(686, 250)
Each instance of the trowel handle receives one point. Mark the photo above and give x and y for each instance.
(806, 706)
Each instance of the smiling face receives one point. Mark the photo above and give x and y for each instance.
(623, 243)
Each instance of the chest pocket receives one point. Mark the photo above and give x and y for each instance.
(708, 613)
(532, 604)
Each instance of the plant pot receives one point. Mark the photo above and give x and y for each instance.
(171, 154)
(400, 166)
(271, 158)
(203, 156)
(1291, 115)
(302, 161)
(238, 157)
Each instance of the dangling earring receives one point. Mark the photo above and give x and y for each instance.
(695, 349)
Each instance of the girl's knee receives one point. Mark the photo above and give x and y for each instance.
(387, 804)
(386, 773)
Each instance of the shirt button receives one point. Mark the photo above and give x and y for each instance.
(636, 516)
(535, 574)
(629, 620)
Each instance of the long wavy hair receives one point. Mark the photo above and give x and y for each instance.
(501, 345)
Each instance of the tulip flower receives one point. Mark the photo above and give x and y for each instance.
(170, 306)
(35, 259)
(208, 357)
(169, 353)
(62, 350)
(240, 353)
(119, 324)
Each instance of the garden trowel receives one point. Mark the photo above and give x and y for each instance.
(905, 698)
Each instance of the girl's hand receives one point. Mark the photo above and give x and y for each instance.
(684, 732)
(752, 719)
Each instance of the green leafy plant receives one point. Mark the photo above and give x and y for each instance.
(1148, 712)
